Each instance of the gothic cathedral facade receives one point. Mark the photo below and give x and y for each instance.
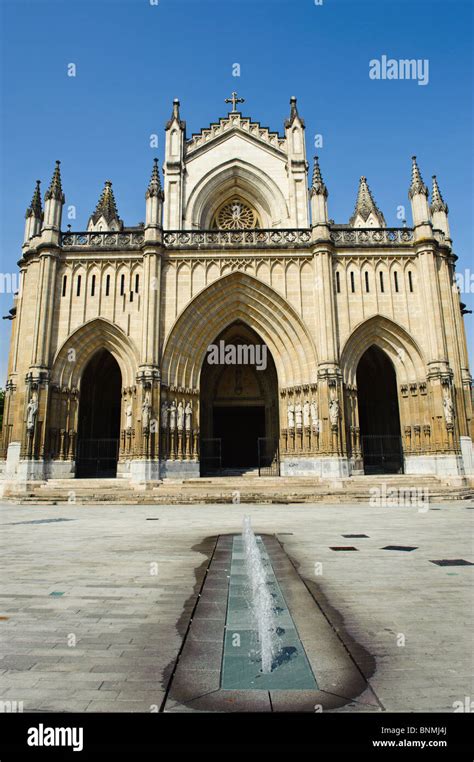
(360, 325)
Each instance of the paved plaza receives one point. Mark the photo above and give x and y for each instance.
(96, 600)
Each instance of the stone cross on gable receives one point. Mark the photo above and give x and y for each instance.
(234, 100)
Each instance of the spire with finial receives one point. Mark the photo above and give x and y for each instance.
(106, 206)
(293, 108)
(417, 185)
(55, 189)
(293, 113)
(175, 116)
(154, 204)
(33, 216)
(317, 186)
(365, 206)
(35, 209)
(53, 205)
(105, 210)
(438, 204)
(154, 186)
(439, 211)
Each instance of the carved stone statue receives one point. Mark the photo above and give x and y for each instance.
(128, 416)
(31, 414)
(164, 415)
(334, 412)
(291, 416)
(299, 415)
(146, 412)
(314, 416)
(188, 414)
(180, 416)
(448, 408)
(306, 414)
(172, 412)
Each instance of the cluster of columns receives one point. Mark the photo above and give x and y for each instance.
(309, 426)
(179, 431)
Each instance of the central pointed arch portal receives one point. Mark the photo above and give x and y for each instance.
(238, 406)
(239, 420)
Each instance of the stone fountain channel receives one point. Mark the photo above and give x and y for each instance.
(219, 667)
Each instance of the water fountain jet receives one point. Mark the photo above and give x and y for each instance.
(262, 605)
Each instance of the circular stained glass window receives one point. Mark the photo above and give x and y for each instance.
(236, 215)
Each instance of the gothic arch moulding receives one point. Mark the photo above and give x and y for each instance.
(232, 179)
(239, 297)
(394, 340)
(81, 345)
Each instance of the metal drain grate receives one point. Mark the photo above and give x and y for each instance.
(400, 547)
(343, 547)
(349, 536)
(452, 562)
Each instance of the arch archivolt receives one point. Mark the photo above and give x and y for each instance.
(381, 331)
(82, 344)
(231, 179)
(238, 297)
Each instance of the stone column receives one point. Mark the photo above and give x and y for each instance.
(325, 305)
(44, 309)
(38, 374)
(150, 307)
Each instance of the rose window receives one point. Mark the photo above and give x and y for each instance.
(235, 215)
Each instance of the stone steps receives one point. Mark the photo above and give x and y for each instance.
(227, 489)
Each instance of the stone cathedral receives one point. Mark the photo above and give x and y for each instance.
(337, 348)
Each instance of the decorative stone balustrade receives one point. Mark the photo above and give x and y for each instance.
(236, 239)
(371, 236)
(106, 240)
(216, 239)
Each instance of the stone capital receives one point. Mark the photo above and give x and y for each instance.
(148, 374)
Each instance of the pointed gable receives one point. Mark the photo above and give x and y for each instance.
(366, 212)
(232, 124)
(105, 216)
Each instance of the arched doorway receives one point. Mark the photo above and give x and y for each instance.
(379, 417)
(99, 417)
(239, 404)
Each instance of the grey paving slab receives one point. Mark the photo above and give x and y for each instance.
(101, 561)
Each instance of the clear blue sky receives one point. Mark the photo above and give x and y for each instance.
(133, 58)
